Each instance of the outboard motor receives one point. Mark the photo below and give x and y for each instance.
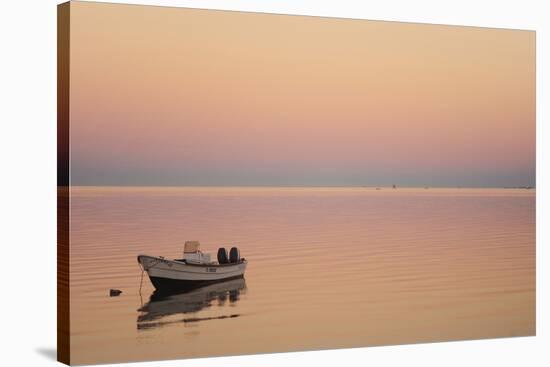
(234, 255)
(222, 256)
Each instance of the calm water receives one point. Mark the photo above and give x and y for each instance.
(328, 268)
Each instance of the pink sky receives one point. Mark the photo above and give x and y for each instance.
(168, 96)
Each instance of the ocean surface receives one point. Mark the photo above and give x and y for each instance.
(328, 268)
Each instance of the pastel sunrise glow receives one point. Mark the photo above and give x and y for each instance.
(165, 96)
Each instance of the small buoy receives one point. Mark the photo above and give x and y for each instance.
(114, 292)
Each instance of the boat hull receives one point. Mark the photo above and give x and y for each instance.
(176, 285)
(178, 276)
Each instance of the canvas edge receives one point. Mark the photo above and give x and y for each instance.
(163, 4)
(63, 245)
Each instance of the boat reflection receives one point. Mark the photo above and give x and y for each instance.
(163, 309)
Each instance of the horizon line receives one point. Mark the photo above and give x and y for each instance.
(313, 186)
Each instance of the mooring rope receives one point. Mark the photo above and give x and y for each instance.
(153, 263)
(141, 280)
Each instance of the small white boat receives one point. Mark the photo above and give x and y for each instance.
(194, 270)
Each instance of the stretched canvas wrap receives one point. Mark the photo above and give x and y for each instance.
(236, 183)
